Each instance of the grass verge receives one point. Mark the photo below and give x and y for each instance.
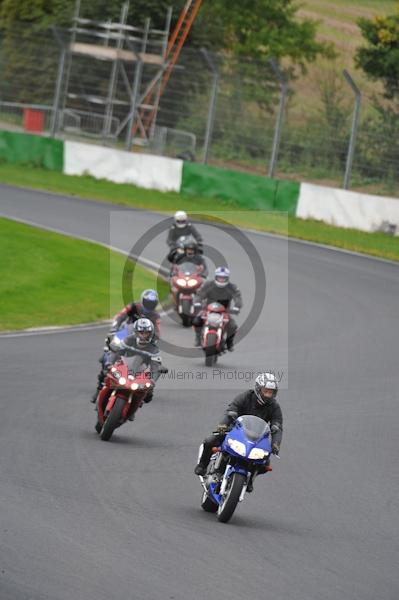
(375, 244)
(49, 279)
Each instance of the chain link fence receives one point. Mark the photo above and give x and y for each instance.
(320, 127)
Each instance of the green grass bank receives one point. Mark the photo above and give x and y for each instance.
(48, 279)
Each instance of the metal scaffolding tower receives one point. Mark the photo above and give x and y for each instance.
(141, 62)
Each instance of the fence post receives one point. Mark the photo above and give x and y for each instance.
(58, 85)
(114, 75)
(69, 62)
(354, 129)
(280, 117)
(134, 102)
(212, 103)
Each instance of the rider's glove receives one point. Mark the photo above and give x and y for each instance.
(222, 429)
(275, 449)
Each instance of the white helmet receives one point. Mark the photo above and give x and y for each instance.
(222, 276)
(266, 381)
(181, 218)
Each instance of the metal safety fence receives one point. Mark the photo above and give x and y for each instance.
(90, 84)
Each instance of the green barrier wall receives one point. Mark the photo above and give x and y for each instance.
(33, 149)
(246, 190)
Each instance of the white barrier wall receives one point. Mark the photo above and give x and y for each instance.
(143, 170)
(346, 209)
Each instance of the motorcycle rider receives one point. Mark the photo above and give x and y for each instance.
(190, 254)
(130, 314)
(140, 338)
(182, 228)
(135, 310)
(261, 402)
(223, 291)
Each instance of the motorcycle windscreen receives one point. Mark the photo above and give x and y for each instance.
(135, 364)
(215, 320)
(254, 427)
(188, 268)
(122, 333)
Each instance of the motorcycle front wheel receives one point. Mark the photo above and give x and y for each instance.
(211, 353)
(229, 503)
(113, 420)
(207, 504)
(186, 320)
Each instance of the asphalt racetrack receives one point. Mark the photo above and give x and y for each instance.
(82, 519)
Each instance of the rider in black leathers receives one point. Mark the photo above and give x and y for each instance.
(261, 402)
(182, 228)
(223, 291)
(188, 252)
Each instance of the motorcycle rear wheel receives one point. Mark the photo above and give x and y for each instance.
(229, 503)
(113, 420)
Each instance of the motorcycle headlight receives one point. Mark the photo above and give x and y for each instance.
(116, 340)
(237, 446)
(258, 454)
(148, 384)
(116, 373)
(192, 282)
(134, 386)
(122, 380)
(181, 282)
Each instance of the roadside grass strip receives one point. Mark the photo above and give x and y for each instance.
(47, 279)
(374, 244)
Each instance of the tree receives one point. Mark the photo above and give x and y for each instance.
(243, 27)
(379, 59)
(266, 28)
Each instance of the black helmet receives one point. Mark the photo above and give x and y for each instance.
(149, 300)
(190, 246)
(144, 330)
(265, 381)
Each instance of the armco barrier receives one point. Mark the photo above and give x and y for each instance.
(32, 149)
(248, 191)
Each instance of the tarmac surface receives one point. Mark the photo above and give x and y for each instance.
(84, 519)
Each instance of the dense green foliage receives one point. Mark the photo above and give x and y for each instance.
(379, 59)
(259, 29)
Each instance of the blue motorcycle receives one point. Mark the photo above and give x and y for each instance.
(244, 454)
(117, 336)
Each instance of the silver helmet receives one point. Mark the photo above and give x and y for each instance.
(265, 381)
(222, 276)
(144, 330)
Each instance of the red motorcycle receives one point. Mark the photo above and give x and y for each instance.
(185, 282)
(126, 386)
(213, 335)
